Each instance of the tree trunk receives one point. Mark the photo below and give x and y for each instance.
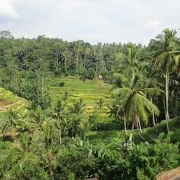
(50, 165)
(57, 61)
(38, 87)
(60, 137)
(153, 116)
(167, 100)
(85, 57)
(97, 62)
(65, 63)
(137, 121)
(125, 124)
(77, 62)
(132, 132)
(139, 125)
(139, 128)
(42, 91)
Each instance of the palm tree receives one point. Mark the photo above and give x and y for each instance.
(78, 108)
(49, 130)
(9, 129)
(100, 104)
(130, 62)
(133, 101)
(20, 155)
(150, 80)
(167, 59)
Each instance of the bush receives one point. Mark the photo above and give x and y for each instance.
(61, 84)
(138, 161)
(76, 158)
(107, 126)
(58, 84)
(121, 159)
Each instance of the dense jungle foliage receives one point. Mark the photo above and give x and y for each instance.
(72, 110)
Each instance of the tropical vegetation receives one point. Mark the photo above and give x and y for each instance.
(72, 110)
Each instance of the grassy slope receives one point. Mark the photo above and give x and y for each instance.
(88, 90)
(91, 92)
(153, 132)
(8, 100)
(149, 134)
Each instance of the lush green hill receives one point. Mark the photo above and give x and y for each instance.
(8, 100)
(91, 92)
(88, 90)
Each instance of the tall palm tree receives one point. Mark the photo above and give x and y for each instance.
(133, 101)
(167, 59)
(130, 62)
(150, 80)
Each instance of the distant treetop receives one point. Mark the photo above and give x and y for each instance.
(6, 34)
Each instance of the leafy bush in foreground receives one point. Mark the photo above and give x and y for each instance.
(41, 153)
(138, 161)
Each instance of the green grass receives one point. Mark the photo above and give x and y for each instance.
(88, 90)
(8, 100)
(152, 133)
(100, 136)
(149, 134)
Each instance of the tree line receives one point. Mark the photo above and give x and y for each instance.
(140, 72)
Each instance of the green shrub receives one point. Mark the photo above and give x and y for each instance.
(107, 126)
(61, 84)
(76, 158)
(138, 161)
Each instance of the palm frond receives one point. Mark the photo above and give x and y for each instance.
(122, 91)
(153, 91)
(121, 80)
(149, 105)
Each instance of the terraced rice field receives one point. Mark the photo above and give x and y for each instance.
(88, 90)
(8, 100)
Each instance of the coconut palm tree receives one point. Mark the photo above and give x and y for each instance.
(20, 156)
(100, 104)
(133, 101)
(150, 80)
(167, 59)
(130, 61)
(9, 128)
(78, 108)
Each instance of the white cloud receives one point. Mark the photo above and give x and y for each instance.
(91, 20)
(152, 24)
(7, 9)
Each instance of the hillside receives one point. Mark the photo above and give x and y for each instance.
(89, 91)
(8, 100)
(149, 133)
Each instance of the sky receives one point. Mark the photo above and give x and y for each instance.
(93, 21)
